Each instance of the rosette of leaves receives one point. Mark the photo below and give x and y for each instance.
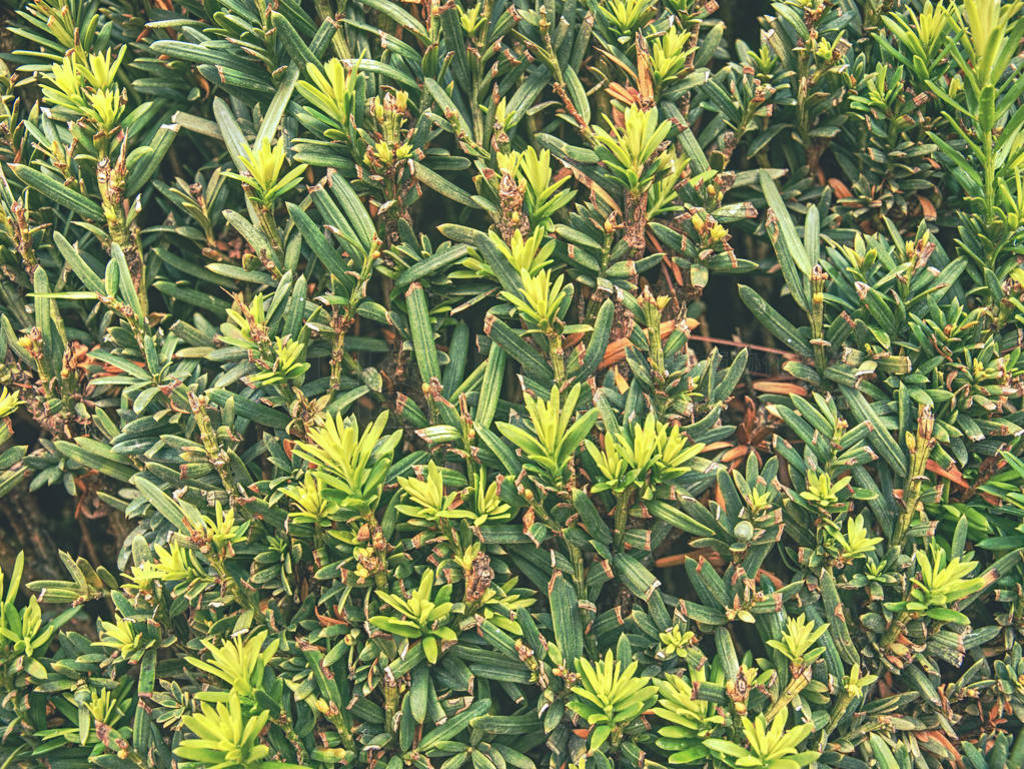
(610, 697)
(689, 720)
(772, 746)
(424, 616)
(225, 738)
(351, 464)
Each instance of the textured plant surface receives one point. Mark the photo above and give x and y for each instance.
(512, 384)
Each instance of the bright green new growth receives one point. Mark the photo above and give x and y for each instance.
(797, 641)
(225, 738)
(240, 664)
(773, 747)
(610, 697)
(423, 615)
(689, 720)
(942, 581)
(351, 464)
(555, 432)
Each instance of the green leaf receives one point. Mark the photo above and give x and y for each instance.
(947, 615)
(399, 15)
(198, 299)
(418, 693)
(448, 109)
(78, 266)
(142, 728)
(432, 265)
(533, 365)
(353, 209)
(198, 125)
(439, 184)
(422, 332)
(384, 70)
(577, 94)
(507, 277)
(565, 617)
(142, 172)
(57, 193)
(293, 42)
(97, 456)
(881, 753)
(275, 110)
(598, 343)
(126, 285)
(490, 388)
(776, 325)
(162, 503)
(793, 258)
(880, 437)
(250, 409)
(316, 240)
(837, 621)
(527, 723)
(250, 232)
(453, 726)
(635, 576)
(43, 311)
(231, 132)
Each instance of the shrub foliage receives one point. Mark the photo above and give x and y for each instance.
(512, 384)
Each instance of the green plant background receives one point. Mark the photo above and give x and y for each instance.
(532, 384)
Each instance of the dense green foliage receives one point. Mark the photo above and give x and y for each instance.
(512, 384)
